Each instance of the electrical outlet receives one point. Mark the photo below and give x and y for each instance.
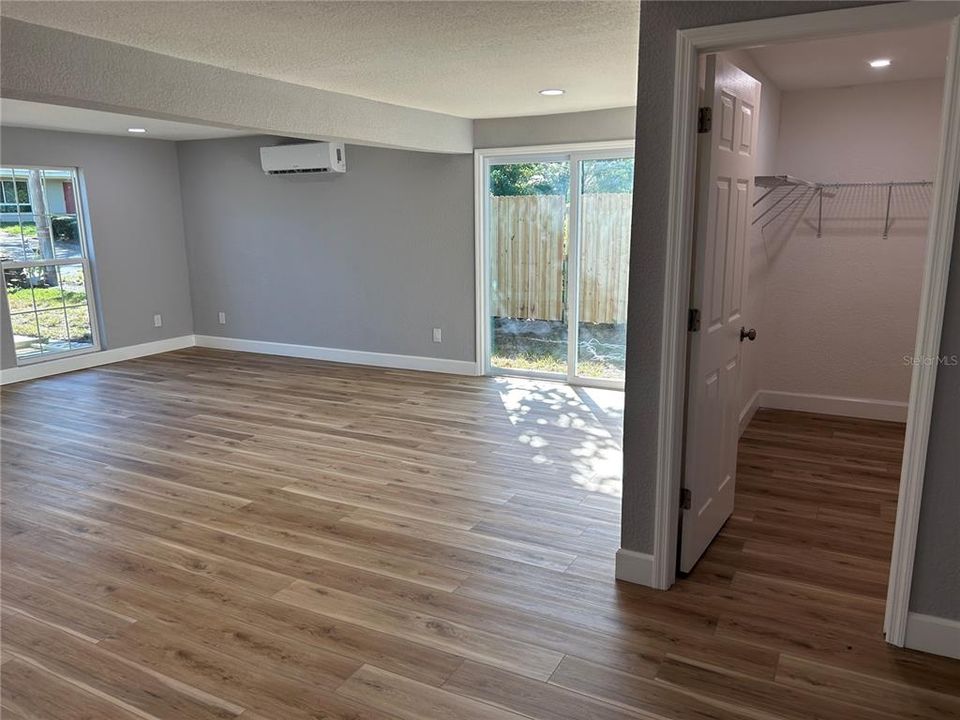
(157, 320)
(437, 335)
(222, 318)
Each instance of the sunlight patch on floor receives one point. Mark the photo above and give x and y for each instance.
(591, 418)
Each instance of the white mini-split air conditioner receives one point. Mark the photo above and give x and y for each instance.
(319, 157)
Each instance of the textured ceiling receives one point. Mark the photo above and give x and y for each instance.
(20, 113)
(917, 53)
(471, 59)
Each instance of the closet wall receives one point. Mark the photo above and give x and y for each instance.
(836, 315)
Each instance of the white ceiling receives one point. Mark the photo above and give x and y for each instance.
(917, 53)
(465, 58)
(20, 113)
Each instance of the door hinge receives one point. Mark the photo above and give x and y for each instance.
(686, 498)
(693, 320)
(704, 119)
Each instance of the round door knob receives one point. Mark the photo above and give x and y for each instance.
(750, 334)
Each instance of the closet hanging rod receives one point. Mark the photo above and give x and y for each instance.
(777, 181)
(909, 183)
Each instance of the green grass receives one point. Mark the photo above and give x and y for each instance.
(50, 313)
(541, 346)
(20, 299)
(28, 229)
(550, 364)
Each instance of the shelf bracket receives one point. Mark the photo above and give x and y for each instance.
(820, 215)
(886, 219)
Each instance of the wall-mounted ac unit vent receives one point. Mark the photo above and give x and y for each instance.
(318, 157)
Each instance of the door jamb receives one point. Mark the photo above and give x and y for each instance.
(690, 44)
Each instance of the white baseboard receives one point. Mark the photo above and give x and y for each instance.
(93, 359)
(930, 634)
(833, 405)
(749, 410)
(352, 357)
(635, 567)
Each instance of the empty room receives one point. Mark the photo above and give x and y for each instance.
(520, 359)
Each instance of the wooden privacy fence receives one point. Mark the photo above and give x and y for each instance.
(529, 249)
(528, 252)
(605, 256)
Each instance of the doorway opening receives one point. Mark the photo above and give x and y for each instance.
(553, 258)
(901, 183)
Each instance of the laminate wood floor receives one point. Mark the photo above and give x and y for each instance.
(204, 534)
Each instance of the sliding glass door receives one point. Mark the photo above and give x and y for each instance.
(556, 231)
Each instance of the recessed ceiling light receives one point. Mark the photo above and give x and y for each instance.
(136, 130)
(551, 91)
(880, 63)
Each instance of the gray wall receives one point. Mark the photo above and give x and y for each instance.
(936, 574)
(371, 260)
(133, 194)
(935, 588)
(590, 126)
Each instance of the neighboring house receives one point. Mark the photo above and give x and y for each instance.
(15, 205)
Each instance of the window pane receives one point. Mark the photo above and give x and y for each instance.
(25, 334)
(35, 220)
(66, 236)
(78, 321)
(12, 248)
(19, 289)
(72, 284)
(46, 287)
(23, 196)
(20, 239)
(53, 331)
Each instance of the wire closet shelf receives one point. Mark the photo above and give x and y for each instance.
(786, 196)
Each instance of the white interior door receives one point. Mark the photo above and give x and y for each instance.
(725, 180)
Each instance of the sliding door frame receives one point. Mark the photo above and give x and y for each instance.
(572, 153)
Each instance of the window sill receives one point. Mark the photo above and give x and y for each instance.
(50, 357)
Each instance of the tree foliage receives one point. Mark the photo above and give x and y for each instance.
(530, 179)
(608, 176)
(553, 178)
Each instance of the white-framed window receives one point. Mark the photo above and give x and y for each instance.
(46, 264)
(14, 196)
